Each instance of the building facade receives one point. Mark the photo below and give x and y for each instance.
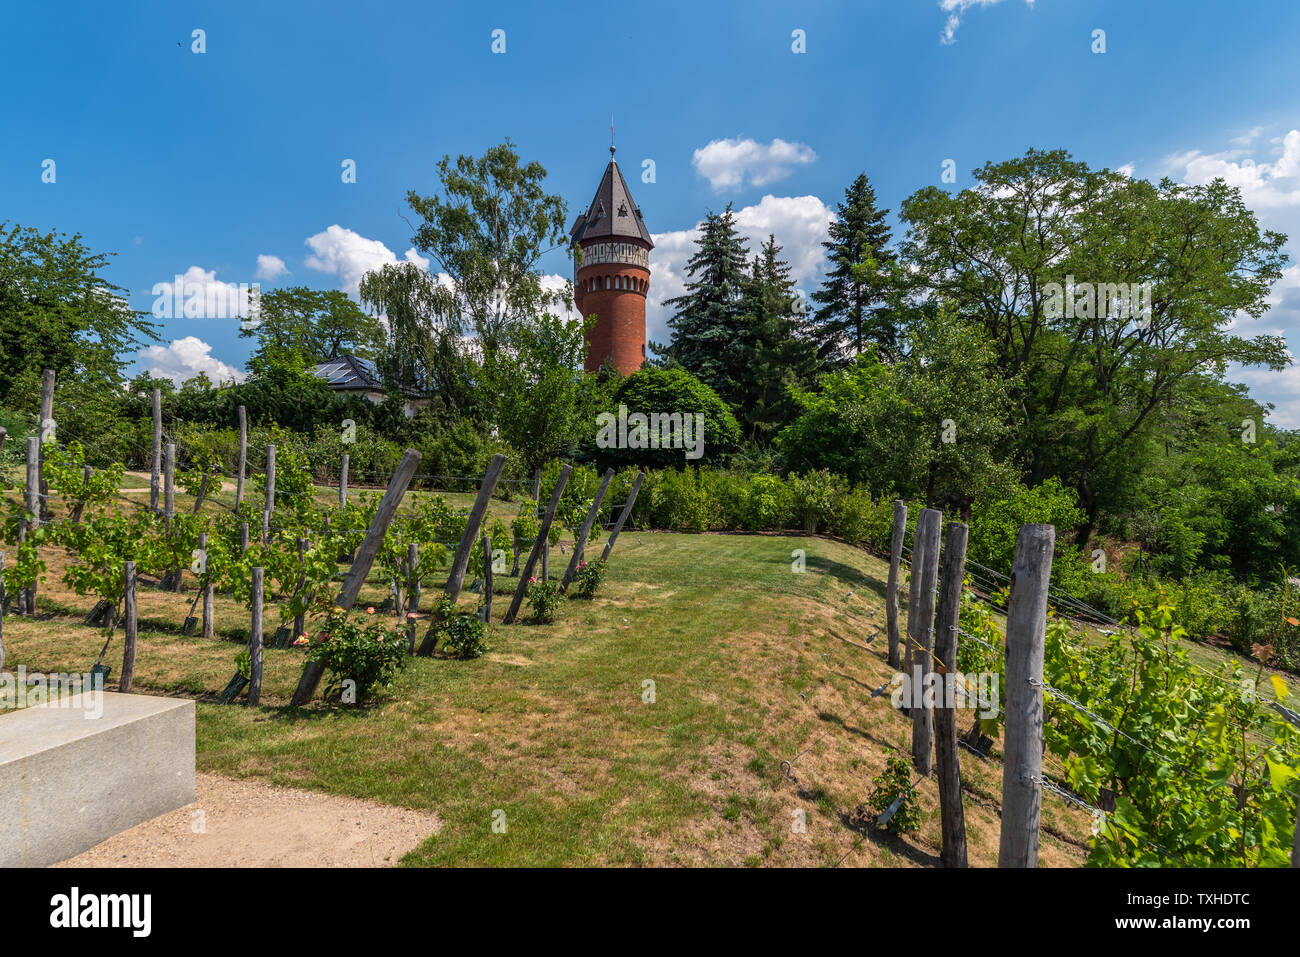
(612, 275)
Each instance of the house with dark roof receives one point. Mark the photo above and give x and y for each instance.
(349, 375)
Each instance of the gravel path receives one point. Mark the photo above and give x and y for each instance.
(250, 824)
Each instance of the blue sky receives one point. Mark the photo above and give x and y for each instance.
(198, 164)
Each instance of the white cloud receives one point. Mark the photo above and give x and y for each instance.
(271, 267)
(349, 255)
(726, 164)
(1263, 185)
(956, 9)
(197, 293)
(185, 358)
(799, 223)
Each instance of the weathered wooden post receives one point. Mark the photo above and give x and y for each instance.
(33, 504)
(1022, 763)
(131, 625)
(622, 517)
(209, 590)
(343, 481)
(522, 589)
(891, 596)
(920, 630)
(412, 593)
(356, 576)
(243, 457)
(952, 815)
(487, 578)
(300, 619)
(47, 422)
(270, 494)
(172, 579)
(243, 538)
(80, 506)
(255, 641)
(468, 538)
(155, 467)
(580, 543)
(22, 539)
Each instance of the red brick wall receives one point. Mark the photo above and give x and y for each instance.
(620, 316)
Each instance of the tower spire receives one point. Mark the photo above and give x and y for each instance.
(611, 137)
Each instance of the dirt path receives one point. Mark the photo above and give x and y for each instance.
(249, 824)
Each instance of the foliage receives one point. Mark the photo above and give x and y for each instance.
(359, 648)
(588, 578)
(669, 391)
(545, 599)
(893, 783)
(462, 634)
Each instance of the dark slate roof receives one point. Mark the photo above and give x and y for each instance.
(612, 213)
(348, 372)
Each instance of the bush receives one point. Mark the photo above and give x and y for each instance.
(888, 787)
(360, 649)
(670, 391)
(862, 520)
(816, 497)
(462, 634)
(767, 504)
(544, 598)
(588, 578)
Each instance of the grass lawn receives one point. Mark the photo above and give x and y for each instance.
(752, 664)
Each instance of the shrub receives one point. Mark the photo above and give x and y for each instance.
(669, 391)
(360, 649)
(544, 598)
(767, 504)
(816, 497)
(588, 578)
(462, 634)
(888, 787)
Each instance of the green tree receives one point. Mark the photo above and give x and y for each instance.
(486, 232)
(710, 324)
(57, 311)
(1024, 253)
(667, 391)
(853, 303)
(320, 324)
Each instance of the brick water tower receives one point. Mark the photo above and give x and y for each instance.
(614, 276)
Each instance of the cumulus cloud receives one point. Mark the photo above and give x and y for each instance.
(799, 223)
(185, 358)
(271, 267)
(197, 293)
(728, 164)
(1264, 185)
(349, 255)
(956, 9)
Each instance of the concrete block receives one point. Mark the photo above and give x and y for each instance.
(68, 782)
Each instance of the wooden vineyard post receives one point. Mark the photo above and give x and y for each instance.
(920, 631)
(487, 578)
(468, 539)
(580, 543)
(33, 504)
(243, 538)
(22, 538)
(891, 596)
(155, 467)
(47, 422)
(953, 817)
(622, 516)
(243, 457)
(270, 494)
(522, 589)
(412, 592)
(209, 590)
(300, 619)
(131, 625)
(356, 576)
(255, 641)
(1022, 763)
(77, 509)
(172, 579)
(343, 481)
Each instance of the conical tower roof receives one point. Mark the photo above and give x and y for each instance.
(613, 214)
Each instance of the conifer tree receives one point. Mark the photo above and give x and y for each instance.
(852, 304)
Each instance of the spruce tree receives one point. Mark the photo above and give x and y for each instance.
(775, 358)
(852, 305)
(709, 323)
